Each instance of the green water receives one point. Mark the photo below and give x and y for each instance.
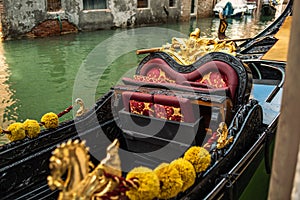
(38, 75)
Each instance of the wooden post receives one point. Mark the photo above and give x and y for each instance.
(288, 133)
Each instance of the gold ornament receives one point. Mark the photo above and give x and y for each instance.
(186, 51)
(72, 158)
(223, 139)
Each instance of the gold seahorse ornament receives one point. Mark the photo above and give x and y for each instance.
(103, 182)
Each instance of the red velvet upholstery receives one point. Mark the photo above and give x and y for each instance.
(160, 106)
(170, 104)
(214, 77)
(186, 85)
(140, 97)
(158, 63)
(228, 74)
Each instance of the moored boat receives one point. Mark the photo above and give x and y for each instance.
(231, 8)
(203, 109)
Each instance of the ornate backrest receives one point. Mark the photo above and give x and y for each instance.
(228, 71)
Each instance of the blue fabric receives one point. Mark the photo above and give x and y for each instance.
(228, 9)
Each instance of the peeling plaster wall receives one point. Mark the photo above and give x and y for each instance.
(20, 16)
(185, 10)
(158, 12)
(72, 9)
(204, 8)
(123, 12)
(95, 19)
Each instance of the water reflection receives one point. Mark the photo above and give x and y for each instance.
(6, 98)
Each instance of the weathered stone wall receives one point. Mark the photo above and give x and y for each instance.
(158, 12)
(204, 8)
(21, 16)
(123, 12)
(186, 10)
(95, 19)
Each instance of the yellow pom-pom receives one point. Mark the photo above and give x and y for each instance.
(1, 130)
(170, 181)
(50, 120)
(199, 157)
(186, 171)
(148, 183)
(32, 128)
(17, 132)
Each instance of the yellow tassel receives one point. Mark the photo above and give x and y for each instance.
(170, 181)
(50, 120)
(17, 132)
(199, 157)
(148, 184)
(32, 128)
(186, 171)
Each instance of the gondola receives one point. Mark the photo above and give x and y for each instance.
(231, 122)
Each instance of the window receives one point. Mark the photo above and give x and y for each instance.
(94, 4)
(142, 3)
(53, 5)
(193, 7)
(171, 3)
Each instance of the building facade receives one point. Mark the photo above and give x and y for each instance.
(50, 17)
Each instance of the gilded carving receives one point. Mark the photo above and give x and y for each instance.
(223, 139)
(188, 51)
(103, 182)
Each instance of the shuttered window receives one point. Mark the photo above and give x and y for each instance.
(94, 4)
(171, 3)
(142, 3)
(53, 5)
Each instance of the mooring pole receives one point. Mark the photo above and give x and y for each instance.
(288, 133)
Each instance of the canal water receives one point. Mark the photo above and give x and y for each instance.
(38, 75)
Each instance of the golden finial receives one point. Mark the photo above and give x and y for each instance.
(195, 33)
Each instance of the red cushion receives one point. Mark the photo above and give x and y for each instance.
(141, 97)
(155, 65)
(168, 112)
(141, 108)
(213, 80)
(186, 108)
(228, 74)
